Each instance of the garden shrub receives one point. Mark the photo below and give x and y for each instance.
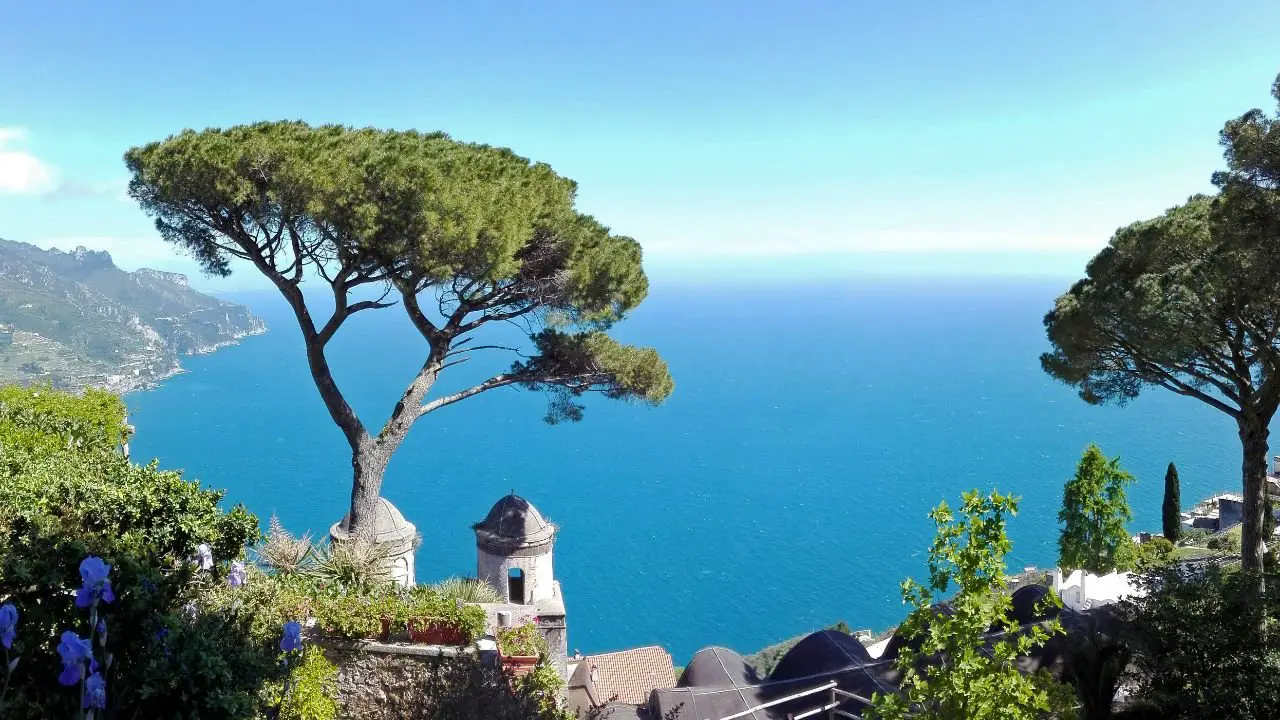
(1197, 646)
(38, 419)
(523, 640)
(312, 689)
(65, 494)
(1154, 553)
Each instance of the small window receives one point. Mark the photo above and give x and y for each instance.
(515, 585)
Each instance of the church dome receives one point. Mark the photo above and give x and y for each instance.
(389, 525)
(513, 523)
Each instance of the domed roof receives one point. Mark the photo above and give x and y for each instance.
(389, 525)
(513, 523)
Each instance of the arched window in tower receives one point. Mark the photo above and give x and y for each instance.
(515, 585)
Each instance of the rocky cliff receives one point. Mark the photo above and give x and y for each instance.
(77, 320)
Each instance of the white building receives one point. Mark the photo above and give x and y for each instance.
(1082, 590)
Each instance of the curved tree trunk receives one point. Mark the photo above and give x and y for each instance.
(1253, 440)
(368, 465)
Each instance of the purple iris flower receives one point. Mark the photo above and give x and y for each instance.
(93, 573)
(74, 651)
(95, 692)
(292, 639)
(8, 624)
(238, 575)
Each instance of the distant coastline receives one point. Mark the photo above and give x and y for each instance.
(136, 385)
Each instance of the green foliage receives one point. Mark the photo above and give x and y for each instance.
(60, 502)
(1093, 516)
(497, 236)
(1154, 553)
(283, 553)
(597, 361)
(312, 689)
(359, 613)
(1227, 542)
(1194, 536)
(1187, 301)
(1171, 510)
(352, 565)
(979, 677)
(467, 590)
(348, 614)
(39, 420)
(543, 686)
(425, 604)
(1197, 649)
(521, 640)
(212, 665)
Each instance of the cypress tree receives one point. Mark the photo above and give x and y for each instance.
(1172, 505)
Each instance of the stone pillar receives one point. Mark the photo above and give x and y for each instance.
(556, 632)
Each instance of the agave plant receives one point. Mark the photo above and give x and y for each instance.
(352, 565)
(282, 552)
(467, 590)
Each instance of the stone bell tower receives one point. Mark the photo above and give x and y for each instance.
(514, 547)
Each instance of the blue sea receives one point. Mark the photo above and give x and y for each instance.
(784, 486)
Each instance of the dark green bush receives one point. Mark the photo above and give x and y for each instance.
(65, 493)
(1197, 646)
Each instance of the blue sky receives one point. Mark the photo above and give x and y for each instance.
(732, 139)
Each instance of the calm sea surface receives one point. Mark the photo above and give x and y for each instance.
(784, 486)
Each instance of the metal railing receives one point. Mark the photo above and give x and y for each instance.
(831, 707)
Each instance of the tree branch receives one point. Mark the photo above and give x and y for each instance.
(496, 381)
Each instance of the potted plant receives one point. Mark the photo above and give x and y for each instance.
(430, 620)
(390, 609)
(347, 615)
(520, 647)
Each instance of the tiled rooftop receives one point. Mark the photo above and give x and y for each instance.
(629, 674)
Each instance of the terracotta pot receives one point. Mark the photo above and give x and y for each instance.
(435, 632)
(385, 633)
(518, 665)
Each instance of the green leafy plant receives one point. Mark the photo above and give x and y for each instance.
(521, 641)
(1196, 649)
(543, 685)
(467, 590)
(313, 689)
(1154, 553)
(425, 607)
(979, 678)
(348, 614)
(71, 495)
(38, 420)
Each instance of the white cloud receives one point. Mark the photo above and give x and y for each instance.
(22, 173)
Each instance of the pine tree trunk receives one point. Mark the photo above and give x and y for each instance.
(368, 465)
(1253, 440)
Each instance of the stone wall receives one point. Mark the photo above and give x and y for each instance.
(378, 681)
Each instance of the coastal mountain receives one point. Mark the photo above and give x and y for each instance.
(77, 320)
